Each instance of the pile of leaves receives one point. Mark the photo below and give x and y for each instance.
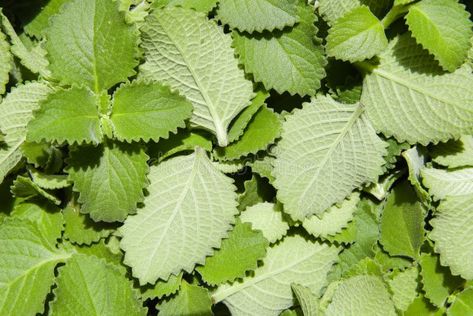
(243, 157)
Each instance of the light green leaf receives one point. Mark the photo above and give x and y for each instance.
(16, 110)
(258, 15)
(327, 150)
(263, 167)
(403, 285)
(356, 36)
(24, 187)
(200, 63)
(183, 141)
(191, 300)
(402, 223)
(27, 267)
(307, 300)
(80, 229)
(406, 96)
(352, 297)
(444, 28)
(416, 159)
(451, 233)
(442, 183)
(268, 218)
(334, 219)
(421, 306)
(104, 251)
(255, 191)
(6, 61)
(455, 153)
(332, 10)
(294, 260)
(261, 131)
(144, 111)
(190, 207)
(49, 181)
(437, 281)
(101, 48)
(162, 288)
(63, 118)
(40, 22)
(239, 253)
(109, 178)
(88, 285)
(291, 60)
(204, 6)
(462, 304)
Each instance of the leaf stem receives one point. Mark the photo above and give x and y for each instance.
(395, 13)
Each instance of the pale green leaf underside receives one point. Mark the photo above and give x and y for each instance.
(455, 153)
(416, 160)
(289, 61)
(88, 285)
(99, 45)
(67, 116)
(190, 300)
(6, 61)
(356, 36)
(451, 233)
(16, 110)
(404, 288)
(327, 150)
(407, 97)
(144, 111)
(192, 54)
(26, 267)
(109, 178)
(442, 183)
(307, 300)
(258, 15)
(267, 218)
(334, 219)
(361, 295)
(444, 28)
(268, 292)
(189, 209)
(239, 253)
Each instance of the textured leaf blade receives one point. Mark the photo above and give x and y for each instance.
(217, 98)
(403, 285)
(455, 153)
(442, 183)
(307, 300)
(268, 218)
(323, 137)
(191, 300)
(190, 208)
(462, 304)
(6, 61)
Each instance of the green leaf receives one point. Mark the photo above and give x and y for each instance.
(442, 183)
(325, 145)
(437, 281)
(81, 230)
(16, 110)
(138, 107)
(356, 36)
(101, 48)
(258, 15)
(61, 119)
(109, 178)
(239, 253)
(406, 96)
(455, 153)
(332, 10)
(215, 85)
(27, 267)
(255, 191)
(451, 234)
(403, 285)
(6, 62)
(24, 187)
(307, 300)
(352, 297)
(191, 300)
(291, 60)
(261, 131)
(190, 207)
(183, 141)
(421, 306)
(88, 285)
(268, 218)
(294, 260)
(462, 304)
(162, 288)
(416, 159)
(37, 26)
(444, 28)
(402, 223)
(49, 181)
(333, 220)
(204, 6)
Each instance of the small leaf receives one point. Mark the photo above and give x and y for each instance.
(403, 285)
(6, 62)
(191, 300)
(442, 183)
(462, 304)
(162, 288)
(455, 153)
(307, 300)
(268, 218)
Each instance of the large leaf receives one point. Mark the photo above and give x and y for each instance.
(452, 229)
(101, 48)
(356, 36)
(444, 28)
(291, 60)
(442, 183)
(258, 15)
(189, 209)
(109, 178)
(327, 150)
(16, 111)
(406, 96)
(192, 54)
(268, 292)
(26, 267)
(88, 285)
